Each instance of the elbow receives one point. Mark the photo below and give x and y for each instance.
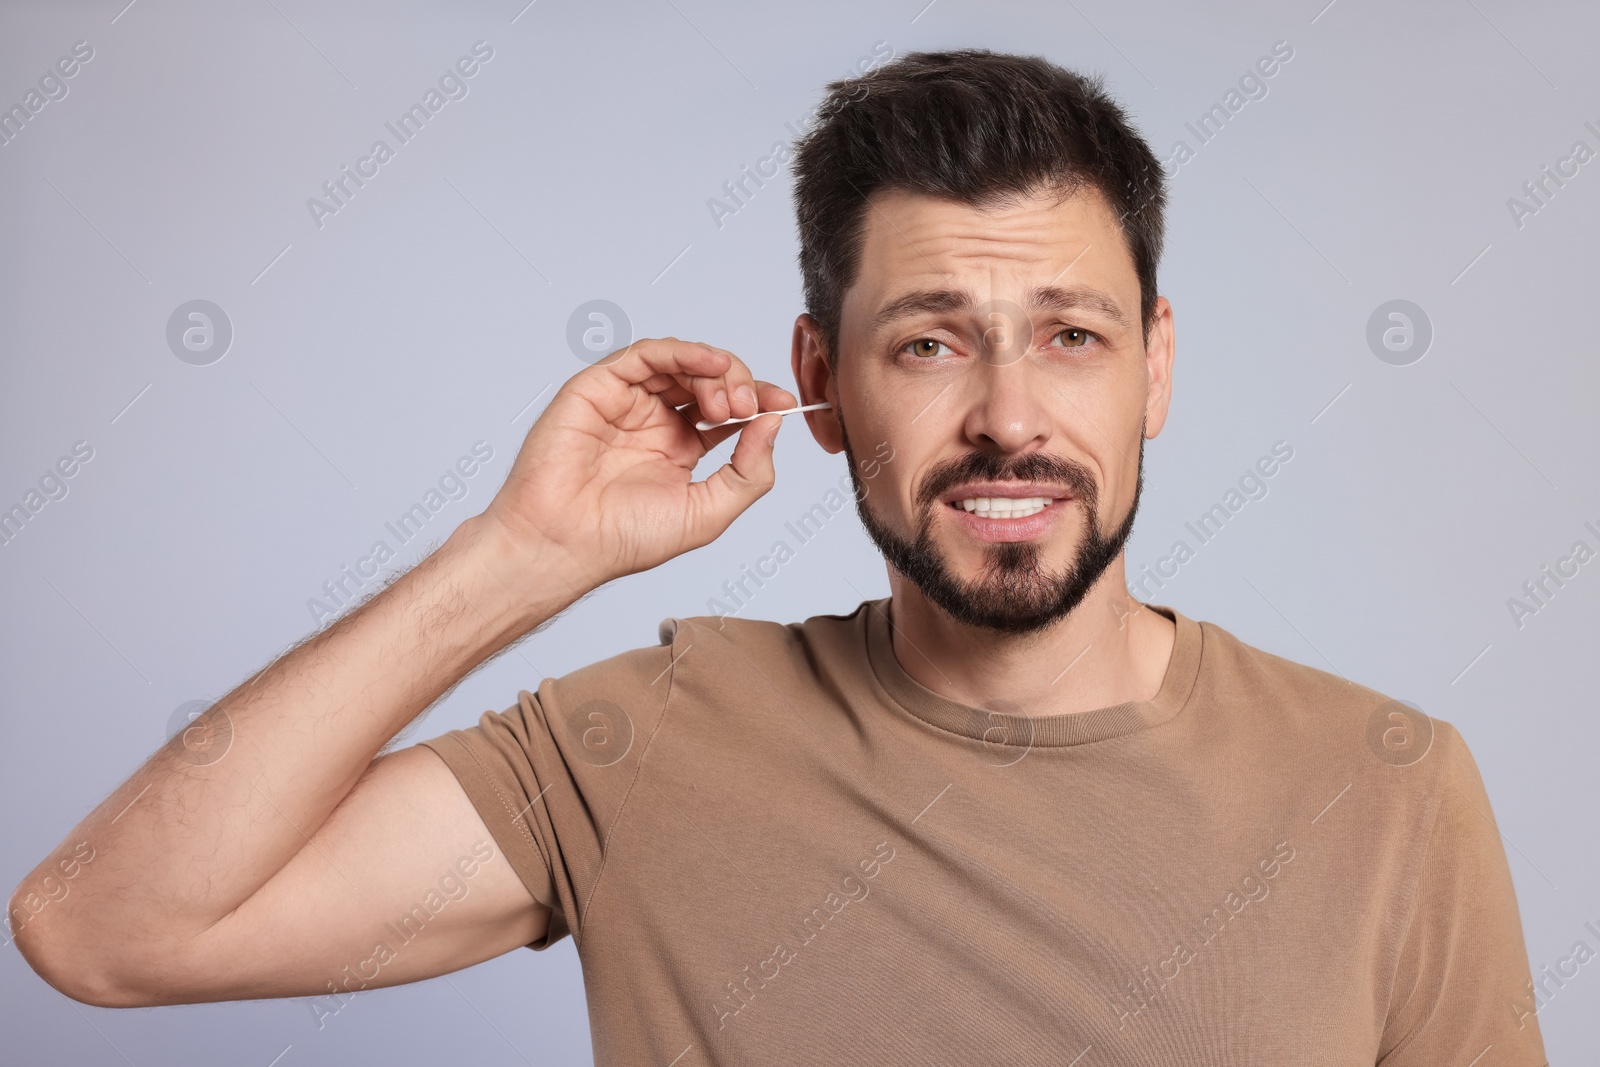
(73, 971)
(85, 987)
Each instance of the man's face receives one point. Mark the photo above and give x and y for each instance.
(999, 354)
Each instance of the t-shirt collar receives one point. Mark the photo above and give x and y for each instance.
(1025, 731)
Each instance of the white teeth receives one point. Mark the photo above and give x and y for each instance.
(1004, 507)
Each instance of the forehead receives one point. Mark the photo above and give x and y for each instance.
(913, 240)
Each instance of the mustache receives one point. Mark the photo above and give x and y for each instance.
(987, 466)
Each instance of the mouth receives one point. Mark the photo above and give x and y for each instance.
(1000, 500)
(1003, 507)
(1007, 512)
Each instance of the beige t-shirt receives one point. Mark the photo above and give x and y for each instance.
(771, 845)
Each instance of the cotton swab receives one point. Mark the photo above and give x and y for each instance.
(707, 424)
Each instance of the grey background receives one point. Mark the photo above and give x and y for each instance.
(431, 313)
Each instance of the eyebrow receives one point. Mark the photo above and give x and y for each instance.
(1041, 298)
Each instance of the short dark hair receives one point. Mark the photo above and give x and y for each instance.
(973, 126)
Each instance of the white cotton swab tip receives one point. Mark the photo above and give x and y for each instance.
(707, 424)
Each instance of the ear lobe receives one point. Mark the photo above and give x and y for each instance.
(824, 424)
(825, 429)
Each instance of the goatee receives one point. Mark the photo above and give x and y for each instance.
(1013, 593)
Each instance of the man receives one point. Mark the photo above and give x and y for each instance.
(1005, 815)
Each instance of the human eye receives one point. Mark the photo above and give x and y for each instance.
(1074, 337)
(925, 348)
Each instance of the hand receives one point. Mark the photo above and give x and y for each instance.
(605, 474)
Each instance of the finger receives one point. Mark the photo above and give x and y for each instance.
(669, 389)
(716, 393)
(696, 366)
(715, 398)
(675, 392)
(733, 487)
(770, 398)
(683, 390)
(723, 393)
(744, 391)
(739, 383)
(649, 357)
(775, 397)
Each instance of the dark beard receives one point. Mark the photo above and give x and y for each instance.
(1012, 594)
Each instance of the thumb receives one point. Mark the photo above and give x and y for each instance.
(733, 487)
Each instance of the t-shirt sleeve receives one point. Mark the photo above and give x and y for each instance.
(1462, 977)
(551, 775)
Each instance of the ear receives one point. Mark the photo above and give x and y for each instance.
(1159, 351)
(815, 382)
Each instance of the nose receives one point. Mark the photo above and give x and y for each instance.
(1006, 412)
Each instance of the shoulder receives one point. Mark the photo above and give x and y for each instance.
(1279, 682)
(1375, 777)
(1311, 721)
(705, 660)
(1296, 699)
(798, 644)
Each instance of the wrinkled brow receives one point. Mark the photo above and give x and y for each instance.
(1054, 298)
(1042, 298)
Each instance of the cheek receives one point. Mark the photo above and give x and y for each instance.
(1119, 412)
(882, 437)
(867, 400)
(1123, 388)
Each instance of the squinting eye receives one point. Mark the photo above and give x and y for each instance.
(1073, 337)
(924, 346)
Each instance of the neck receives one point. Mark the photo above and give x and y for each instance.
(1108, 650)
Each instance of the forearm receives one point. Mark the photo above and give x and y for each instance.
(199, 828)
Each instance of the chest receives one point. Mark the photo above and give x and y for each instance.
(922, 914)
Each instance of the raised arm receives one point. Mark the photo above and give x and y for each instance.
(266, 850)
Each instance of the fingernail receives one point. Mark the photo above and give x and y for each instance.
(746, 394)
(720, 397)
